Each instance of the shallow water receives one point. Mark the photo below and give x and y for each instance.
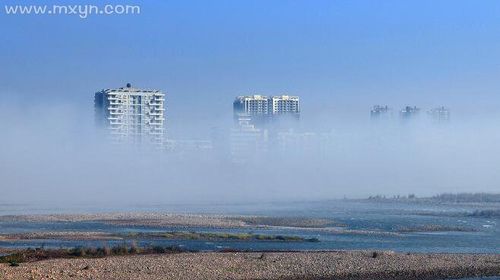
(379, 220)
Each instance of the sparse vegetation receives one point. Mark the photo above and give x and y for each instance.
(433, 228)
(314, 239)
(394, 197)
(30, 255)
(177, 235)
(78, 251)
(443, 198)
(120, 250)
(134, 249)
(467, 197)
(288, 222)
(220, 236)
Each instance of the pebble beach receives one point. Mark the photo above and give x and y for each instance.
(263, 265)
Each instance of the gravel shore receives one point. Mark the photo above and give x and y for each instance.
(286, 265)
(175, 220)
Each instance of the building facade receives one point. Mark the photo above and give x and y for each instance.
(262, 108)
(131, 114)
(252, 105)
(285, 104)
(258, 120)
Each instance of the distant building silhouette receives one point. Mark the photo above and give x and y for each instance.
(440, 114)
(409, 112)
(380, 112)
(131, 114)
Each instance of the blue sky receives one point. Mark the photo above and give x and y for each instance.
(334, 54)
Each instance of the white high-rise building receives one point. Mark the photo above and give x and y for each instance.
(257, 120)
(262, 108)
(252, 105)
(132, 114)
(285, 104)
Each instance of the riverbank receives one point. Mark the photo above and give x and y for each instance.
(168, 235)
(155, 219)
(284, 265)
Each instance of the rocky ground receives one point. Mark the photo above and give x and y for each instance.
(161, 220)
(292, 265)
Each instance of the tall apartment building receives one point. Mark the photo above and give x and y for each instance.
(263, 108)
(258, 119)
(285, 104)
(131, 114)
(252, 105)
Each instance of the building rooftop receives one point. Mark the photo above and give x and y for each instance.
(129, 89)
(285, 97)
(256, 97)
(264, 97)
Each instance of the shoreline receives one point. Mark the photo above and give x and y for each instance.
(162, 219)
(212, 221)
(339, 265)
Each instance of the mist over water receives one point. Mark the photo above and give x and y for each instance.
(339, 57)
(53, 154)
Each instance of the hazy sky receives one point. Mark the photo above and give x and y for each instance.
(340, 57)
(331, 53)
